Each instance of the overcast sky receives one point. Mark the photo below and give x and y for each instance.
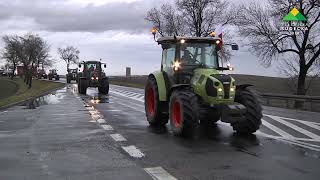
(113, 30)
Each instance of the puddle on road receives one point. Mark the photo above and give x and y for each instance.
(53, 98)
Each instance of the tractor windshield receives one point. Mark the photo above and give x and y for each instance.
(93, 66)
(199, 54)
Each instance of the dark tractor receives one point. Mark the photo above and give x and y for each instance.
(72, 75)
(53, 75)
(41, 74)
(191, 89)
(92, 76)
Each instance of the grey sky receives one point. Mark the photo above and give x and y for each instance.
(114, 30)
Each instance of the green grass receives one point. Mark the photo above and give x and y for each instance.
(20, 91)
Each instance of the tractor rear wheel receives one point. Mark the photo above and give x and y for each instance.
(156, 111)
(82, 86)
(183, 107)
(104, 86)
(253, 115)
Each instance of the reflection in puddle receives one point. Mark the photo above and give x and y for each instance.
(100, 99)
(53, 98)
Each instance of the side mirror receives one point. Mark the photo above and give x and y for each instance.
(105, 66)
(79, 65)
(235, 47)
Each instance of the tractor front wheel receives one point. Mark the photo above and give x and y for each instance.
(209, 116)
(183, 107)
(156, 111)
(253, 115)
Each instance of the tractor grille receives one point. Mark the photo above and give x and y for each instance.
(226, 81)
(210, 89)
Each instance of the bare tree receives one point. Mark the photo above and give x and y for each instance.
(193, 18)
(11, 52)
(190, 17)
(262, 27)
(69, 54)
(34, 51)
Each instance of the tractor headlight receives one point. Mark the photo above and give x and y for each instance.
(231, 89)
(92, 78)
(220, 89)
(176, 65)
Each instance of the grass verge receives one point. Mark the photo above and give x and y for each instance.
(22, 92)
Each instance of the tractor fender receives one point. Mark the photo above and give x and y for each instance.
(243, 86)
(158, 75)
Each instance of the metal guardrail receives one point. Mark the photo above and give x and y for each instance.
(311, 103)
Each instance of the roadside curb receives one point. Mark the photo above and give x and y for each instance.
(26, 100)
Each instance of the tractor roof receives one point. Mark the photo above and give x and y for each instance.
(172, 39)
(92, 62)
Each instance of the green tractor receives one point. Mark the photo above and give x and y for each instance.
(92, 76)
(191, 89)
(72, 75)
(53, 74)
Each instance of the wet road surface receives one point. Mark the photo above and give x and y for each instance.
(108, 137)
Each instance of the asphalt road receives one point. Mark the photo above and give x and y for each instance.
(73, 136)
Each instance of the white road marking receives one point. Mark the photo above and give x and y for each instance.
(121, 94)
(101, 121)
(158, 173)
(297, 128)
(276, 129)
(133, 151)
(294, 142)
(3, 112)
(118, 137)
(113, 110)
(107, 127)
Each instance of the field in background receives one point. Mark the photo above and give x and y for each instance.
(261, 84)
(13, 91)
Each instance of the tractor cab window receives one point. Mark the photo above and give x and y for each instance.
(199, 54)
(74, 71)
(168, 56)
(92, 67)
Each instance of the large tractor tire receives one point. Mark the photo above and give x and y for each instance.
(104, 86)
(209, 116)
(57, 78)
(82, 86)
(253, 115)
(156, 111)
(184, 119)
(68, 79)
(50, 78)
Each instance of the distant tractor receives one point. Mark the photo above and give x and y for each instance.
(191, 89)
(72, 75)
(42, 74)
(53, 75)
(92, 76)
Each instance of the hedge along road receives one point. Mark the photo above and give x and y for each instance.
(287, 145)
(15, 91)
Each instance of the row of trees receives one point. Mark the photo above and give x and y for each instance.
(259, 26)
(29, 50)
(32, 52)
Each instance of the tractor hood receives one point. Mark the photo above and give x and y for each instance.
(213, 87)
